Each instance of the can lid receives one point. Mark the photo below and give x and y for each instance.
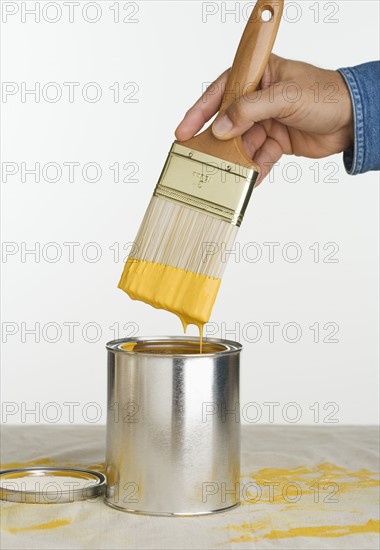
(50, 485)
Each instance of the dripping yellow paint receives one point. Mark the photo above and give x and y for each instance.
(188, 295)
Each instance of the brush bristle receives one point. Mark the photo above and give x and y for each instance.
(182, 237)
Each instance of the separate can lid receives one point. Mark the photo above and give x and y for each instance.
(50, 485)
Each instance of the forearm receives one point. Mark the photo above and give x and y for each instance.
(363, 82)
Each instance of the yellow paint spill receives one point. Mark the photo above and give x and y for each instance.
(188, 295)
(309, 480)
(30, 464)
(9, 507)
(39, 527)
(360, 483)
(290, 519)
(248, 529)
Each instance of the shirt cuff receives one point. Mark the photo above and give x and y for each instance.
(362, 82)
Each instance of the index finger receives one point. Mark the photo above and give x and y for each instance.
(203, 109)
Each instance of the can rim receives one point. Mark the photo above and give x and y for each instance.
(229, 346)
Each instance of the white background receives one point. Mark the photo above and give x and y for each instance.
(169, 52)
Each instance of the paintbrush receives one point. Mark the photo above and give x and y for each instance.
(201, 196)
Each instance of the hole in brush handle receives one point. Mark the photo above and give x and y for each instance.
(266, 13)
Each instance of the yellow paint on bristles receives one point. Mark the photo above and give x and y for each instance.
(188, 295)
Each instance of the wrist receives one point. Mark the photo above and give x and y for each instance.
(346, 111)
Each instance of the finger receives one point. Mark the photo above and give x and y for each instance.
(204, 109)
(254, 138)
(266, 157)
(251, 108)
(280, 133)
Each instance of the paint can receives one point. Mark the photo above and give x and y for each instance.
(173, 426)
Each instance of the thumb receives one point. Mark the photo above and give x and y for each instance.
(250, 108)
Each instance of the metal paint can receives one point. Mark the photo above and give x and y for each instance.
(173, 426)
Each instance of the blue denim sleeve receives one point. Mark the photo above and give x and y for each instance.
(363, 82)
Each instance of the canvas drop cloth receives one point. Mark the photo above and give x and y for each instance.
(319, 489)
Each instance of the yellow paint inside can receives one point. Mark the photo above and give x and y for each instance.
(188, 295)
(130, 346)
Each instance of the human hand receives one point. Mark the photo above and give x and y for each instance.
(299, 109)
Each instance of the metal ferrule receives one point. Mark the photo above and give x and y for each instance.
(206, 183)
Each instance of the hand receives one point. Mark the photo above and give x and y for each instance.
(298, 110)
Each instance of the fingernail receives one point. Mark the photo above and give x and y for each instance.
(222, 125)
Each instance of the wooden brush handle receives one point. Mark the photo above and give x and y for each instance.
(251, 58)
